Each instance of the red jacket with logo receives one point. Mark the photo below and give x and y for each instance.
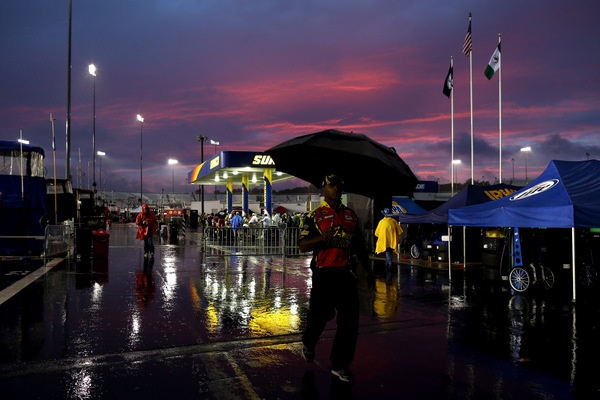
(344, 222)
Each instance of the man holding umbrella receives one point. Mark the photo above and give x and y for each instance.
(332, 233)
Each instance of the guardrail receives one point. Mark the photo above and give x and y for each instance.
(252, 240)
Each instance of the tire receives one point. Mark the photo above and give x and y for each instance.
(549, 278)
(519, 279)
(587, 275)
(415, 252)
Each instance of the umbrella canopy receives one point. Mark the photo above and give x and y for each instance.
(280, 210)
(367, 167)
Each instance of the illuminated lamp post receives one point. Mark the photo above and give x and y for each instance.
(454, 163)
(202, 139)
(141, 119)
(92, 71)
(102, 154)
(215, 143)
(173, 162)
(526, 150)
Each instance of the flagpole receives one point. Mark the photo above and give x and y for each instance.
(471, 97)
(54, 161)
(452, 124)
(448, 91)
(500, 114)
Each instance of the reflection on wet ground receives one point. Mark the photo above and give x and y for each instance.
(205, 318)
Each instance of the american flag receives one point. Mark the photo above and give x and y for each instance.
(468, 44)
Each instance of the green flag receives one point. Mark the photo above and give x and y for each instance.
(494, 64)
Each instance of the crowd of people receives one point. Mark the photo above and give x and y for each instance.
(237, 219)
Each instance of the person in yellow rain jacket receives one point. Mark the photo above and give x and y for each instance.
(388, 232)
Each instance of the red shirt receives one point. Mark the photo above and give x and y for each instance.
(344, 222)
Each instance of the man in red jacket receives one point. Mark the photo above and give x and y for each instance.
(147, 225)
(333, 234)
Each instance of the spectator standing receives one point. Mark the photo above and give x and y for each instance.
(266, 220)
(253, 221)
(236, 223)
(388, 232)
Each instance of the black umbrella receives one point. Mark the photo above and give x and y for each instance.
(367, 167)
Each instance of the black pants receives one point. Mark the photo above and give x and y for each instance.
(334, 294)
(149, 245)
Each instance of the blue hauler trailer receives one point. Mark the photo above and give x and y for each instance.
(23, 210)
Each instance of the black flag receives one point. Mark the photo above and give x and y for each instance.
(449, 82)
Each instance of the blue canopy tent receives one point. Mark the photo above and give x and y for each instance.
(565, 195)
(468, 196)
(403, 205)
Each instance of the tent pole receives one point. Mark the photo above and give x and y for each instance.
(573, 262)
(464, 247)
(449, 253)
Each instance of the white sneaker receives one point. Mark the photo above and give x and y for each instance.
(342, 374)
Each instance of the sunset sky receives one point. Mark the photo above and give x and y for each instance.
(253, 74)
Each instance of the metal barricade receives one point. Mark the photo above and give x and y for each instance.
(59, 240)
(281, 240)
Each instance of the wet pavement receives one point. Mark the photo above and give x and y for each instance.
(195, 325)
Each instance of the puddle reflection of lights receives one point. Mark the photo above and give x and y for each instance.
(82, 386)
(170, 281)
(245, 311)
(214, 288)
(294, 309)
(97, 293)
(134, 334)
(253, 288)
(458, 302)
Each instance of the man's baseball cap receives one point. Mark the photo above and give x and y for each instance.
(332, 179)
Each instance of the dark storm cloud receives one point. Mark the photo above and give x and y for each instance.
(253, 74)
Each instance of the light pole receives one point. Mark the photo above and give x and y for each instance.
(201, 139)
(526, 150)
(513, 168)
(92, 71)
(173, 162)
(454, 163)
(141, 119)
(102, 154)
(216, 143)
